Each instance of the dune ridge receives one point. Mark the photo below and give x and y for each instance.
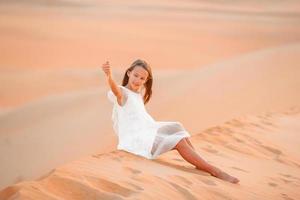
(51, 129)
(259, 81)
(250, 147)
(228, 71)
(200, 32)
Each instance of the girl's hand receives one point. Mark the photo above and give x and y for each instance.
(106, 68)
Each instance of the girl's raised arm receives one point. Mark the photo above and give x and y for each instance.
(113, 85)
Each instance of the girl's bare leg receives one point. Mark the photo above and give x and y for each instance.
(188, 154)
(189, 142)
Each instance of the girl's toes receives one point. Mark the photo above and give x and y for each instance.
(235, 180)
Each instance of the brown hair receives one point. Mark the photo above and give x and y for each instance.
(148, 83)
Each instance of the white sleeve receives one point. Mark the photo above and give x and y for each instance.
(111, 96)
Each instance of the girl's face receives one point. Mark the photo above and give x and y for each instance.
(137, 78)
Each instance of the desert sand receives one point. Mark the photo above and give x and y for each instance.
(228, 72)
(262, 150)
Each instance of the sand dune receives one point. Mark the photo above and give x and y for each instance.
(255, 82)
(46, 44)
(21, 87)
(57, 129)
(47, 133)
(67, 34)
(213, 61)
(255, 148)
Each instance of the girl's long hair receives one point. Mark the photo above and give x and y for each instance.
(148, 83)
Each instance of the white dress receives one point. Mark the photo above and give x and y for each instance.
(138, 132)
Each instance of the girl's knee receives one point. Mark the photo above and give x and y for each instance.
(180, 143)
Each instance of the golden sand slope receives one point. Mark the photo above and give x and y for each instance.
(63, 127)
(72, 119)
(262, 150)
(259, 81)
(169, 34)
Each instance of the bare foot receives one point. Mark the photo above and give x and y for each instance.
(216, 172)
(224, 176)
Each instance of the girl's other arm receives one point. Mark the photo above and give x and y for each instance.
(113, 85)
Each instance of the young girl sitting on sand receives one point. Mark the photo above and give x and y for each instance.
(138, 132)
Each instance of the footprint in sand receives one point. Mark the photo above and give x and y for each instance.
(262, 116)
(134, 171)
(117, 159)
(236, 123)
(267, 123)
(218, 130)
(183, 191)
(238, 139)
(223, 129)
(272, 184)
(286, 197)
(220, 195)
(286, 181)
(98, 155)
(208, 182)
(136, 187)
(290, 176)
(257, 125)
(239, 169)
(271, 149)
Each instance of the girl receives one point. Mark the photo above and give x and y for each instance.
(138, 132)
